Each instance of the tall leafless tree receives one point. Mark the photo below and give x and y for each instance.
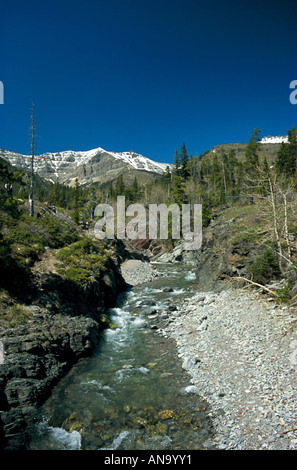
(31, 194)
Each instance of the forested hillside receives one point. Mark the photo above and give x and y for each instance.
(260, 180)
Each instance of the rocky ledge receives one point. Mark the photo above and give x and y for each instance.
(37, 355)
(59, 325)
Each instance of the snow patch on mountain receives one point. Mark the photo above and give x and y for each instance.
(274, 139)
(140, 162)
(61, 163)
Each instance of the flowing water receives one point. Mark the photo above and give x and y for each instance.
(132, 393)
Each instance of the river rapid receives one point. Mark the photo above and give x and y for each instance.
(132, 393)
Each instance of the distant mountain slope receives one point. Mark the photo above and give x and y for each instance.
(93, 166)
(101, 166)
(268, 148)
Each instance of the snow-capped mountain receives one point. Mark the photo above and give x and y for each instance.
(96, 165)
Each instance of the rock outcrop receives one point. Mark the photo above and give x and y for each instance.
(63, 323)
(180, 254)
(225, 252)
(222, 255)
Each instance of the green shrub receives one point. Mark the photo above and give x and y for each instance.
(16, 315)
(46, 231)
(5, 253)
(11, 206)
(27, 255)
(243, 237)
(285, 292)
(54, 232)
(76, 274)
(81, 261)
(265, 267)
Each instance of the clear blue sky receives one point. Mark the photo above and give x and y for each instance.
(145, 75)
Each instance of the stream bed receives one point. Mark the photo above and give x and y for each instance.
(132, 393)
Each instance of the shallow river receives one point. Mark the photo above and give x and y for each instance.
(132, 393)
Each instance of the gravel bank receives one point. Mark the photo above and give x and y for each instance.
(137, 272)
(241, 352)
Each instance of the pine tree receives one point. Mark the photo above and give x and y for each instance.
(120, 186)
(184, 160)
(218, 181)
(292, 150)
(31, 194)
(110, 191)
(177, 193)
(232, 165)
(281, 162)
(266, 170)
(76, 202)
(286, 159)
(135, 190)
(251, 151)
(176, 163)
(166, 175)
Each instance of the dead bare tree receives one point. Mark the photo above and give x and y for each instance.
(31, 194)
(279, 196)
(285, 194)
(272, 200)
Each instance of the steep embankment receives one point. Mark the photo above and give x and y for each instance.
(238, 242)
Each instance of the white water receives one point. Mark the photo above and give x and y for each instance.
(58, 438)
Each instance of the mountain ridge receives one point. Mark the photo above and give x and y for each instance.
(91, 166)
(101, 166)
(268, 148)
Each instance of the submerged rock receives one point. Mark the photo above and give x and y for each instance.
(166, 414)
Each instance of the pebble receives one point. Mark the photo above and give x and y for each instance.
(240, 352)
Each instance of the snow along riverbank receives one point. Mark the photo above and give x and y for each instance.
(241, 352)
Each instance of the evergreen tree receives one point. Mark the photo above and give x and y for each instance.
(76, 202)
(232, 165)
(191, 167)
(177, 193)
(135, 190)
(166, 175)
(286, 159)
(251, 152)
(292, 150)
(110, 191)
(184, 160)
(10, 179)
(176, 163)
(266, 171)
(218, 180)
(281, 162)
(120, 186)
